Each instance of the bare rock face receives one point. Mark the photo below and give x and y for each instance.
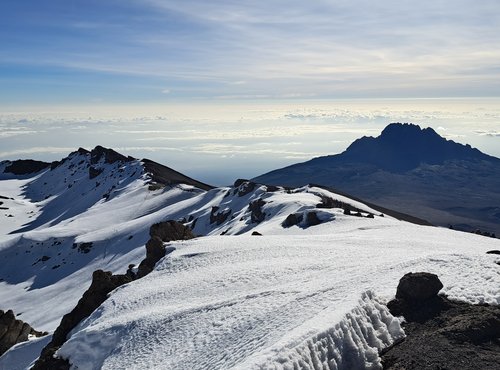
(255, 207)
(13, 331)
(219, 217)
(155, 250)
(103, 282)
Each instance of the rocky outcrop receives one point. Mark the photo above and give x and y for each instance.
(311, 219)
(244, 187)
(292, 219)
(94, 172)
(441, 334)
(13, 331)
(103, 282)
(219, 217)
(109, 155)
(160, 233)
(255, 208)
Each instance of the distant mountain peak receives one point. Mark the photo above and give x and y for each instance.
(404, 146)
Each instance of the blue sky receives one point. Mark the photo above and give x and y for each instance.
(224, 89)
(141, 51)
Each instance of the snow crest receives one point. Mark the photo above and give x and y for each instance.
(353, 343)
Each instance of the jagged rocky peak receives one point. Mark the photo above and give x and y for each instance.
(404, 146)
(109, 155)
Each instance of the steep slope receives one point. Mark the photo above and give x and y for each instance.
(411, 170)
(89, 211)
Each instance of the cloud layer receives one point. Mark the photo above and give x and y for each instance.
(218, 143)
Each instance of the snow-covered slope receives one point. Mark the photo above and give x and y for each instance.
(308, 290)
(279, 301)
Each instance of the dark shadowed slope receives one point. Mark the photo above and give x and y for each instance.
(411, 170)
(167, 176)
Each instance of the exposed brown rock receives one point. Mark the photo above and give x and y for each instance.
(13, 331)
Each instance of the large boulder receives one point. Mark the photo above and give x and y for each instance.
(418, 286)
(170, 230)
(417, 297)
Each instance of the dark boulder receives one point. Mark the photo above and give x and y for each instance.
(292, 219)
(170, 230)
(256, 233)
(417, 297)
(312, 219)
(418, 286)
(272, 188)
(494, 251)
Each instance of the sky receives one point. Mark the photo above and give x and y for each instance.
(245, 84)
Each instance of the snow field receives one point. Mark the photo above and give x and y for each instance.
(278, 302)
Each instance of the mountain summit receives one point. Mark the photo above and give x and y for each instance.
(404, 146)
(412, 169)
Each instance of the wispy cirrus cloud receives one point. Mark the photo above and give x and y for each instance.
(129, 51)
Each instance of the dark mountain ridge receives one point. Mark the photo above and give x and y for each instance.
(411, 170)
